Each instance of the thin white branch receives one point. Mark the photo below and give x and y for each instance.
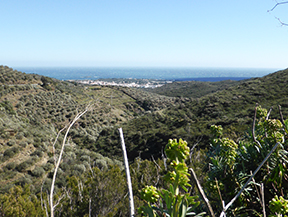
(202, 193)
(60, 156)
(53, 146)
(263, 200)
(126, 165)
(59, 200)
(269, 112)
(253, 127)
(249, 180)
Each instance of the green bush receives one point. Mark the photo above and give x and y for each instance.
(24, 165)
(10, 152)
(79, 169)
(23, 144)
(11, 166)
(48, 166)
(38, 172)
(20, 135)
(26, 180)
(38, 152)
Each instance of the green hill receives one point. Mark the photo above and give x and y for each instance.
(233, 108)
(34, 108)
(194, 89)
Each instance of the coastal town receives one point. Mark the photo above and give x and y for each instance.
(136, 83)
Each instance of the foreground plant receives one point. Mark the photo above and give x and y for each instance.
(232, 163)
(279, 207)
(174, 201)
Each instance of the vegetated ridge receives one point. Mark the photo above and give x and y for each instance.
(34, 108)
(194, 89)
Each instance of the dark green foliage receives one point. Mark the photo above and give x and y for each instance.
(106, 188)
(10, 152)
(38, 172)
(232, 163)
(26, 180)
(8, 107)
(24, 165)
(194, 89)
(20, 202)
(11, 165)
(38, 153)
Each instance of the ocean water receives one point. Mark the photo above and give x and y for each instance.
(183, 74)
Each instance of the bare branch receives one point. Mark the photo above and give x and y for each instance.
(263, 200)
(253, 127)
(56, 139)
(253, 180)
(281, 116)
(126, 165)
(194, 146)
(219, 192)
(52, 207)
(249, 180)
(59, 200)
(282, 23)
(202, 192)
(158, 168)
(46, 210)
(268, 114)
(277, 4)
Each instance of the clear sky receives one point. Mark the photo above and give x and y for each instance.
(145, 33)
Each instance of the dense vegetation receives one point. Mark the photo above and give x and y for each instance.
(193, 89)
(34, 108)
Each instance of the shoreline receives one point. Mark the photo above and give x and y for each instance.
(149, 83)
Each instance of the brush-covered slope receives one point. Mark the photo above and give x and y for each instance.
(233, 108)
(194, 89)
(34, 108)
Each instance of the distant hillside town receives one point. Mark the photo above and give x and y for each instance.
(136, 83)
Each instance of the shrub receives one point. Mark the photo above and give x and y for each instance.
(48, 166)
(84, 158)
(10, 152)
(11, 165)
(23, 144)
(23, 181)
(24, 165)
(101, 164)
(38, 172)
(79, 168)
(38, 152)
(20, 135)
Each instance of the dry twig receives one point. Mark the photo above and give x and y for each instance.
(209, 207)
(79, 115)
(249, 180)
(276, 5)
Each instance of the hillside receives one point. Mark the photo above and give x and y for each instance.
(193, 89)
(34, 108)
(233, 108)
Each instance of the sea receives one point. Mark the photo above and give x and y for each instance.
(172, 74)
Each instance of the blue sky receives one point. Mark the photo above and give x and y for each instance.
(145, 33)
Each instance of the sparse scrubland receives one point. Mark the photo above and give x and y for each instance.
(91, 180)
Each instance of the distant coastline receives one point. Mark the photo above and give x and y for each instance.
(172, 74)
